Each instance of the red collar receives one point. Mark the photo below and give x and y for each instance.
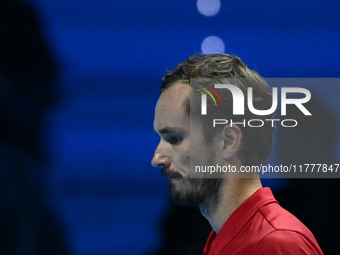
(216, 242)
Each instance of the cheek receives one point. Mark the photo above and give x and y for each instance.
(184, 156)
(199, 153)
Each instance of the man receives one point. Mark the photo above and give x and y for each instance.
(246, 218)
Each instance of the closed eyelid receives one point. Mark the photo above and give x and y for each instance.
(174, 139)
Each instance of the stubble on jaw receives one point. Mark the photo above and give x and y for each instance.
(203, 193)
(196, 192)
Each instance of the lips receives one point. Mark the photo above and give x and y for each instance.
(171, 173)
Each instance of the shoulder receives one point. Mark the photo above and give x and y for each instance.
(288, 236)
(286, 242)
(282, 220)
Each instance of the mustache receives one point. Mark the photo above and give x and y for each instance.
(170, 173)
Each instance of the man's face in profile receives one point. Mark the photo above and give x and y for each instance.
(172, 124)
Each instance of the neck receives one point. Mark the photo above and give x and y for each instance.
(233, 193)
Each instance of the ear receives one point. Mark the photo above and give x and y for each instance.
(232, 137)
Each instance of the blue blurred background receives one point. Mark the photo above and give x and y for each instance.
(109, 57)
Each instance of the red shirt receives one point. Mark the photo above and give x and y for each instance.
(261, 226)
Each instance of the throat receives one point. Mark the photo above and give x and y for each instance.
(210, 209)
(218, 209)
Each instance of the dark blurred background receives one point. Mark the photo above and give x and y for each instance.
(78, 84)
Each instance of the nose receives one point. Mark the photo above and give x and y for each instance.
(160, 159)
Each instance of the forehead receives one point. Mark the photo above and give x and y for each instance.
(170, 111)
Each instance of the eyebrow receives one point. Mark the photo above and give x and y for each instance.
(167, 130)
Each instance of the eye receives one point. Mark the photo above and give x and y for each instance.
(174, 139)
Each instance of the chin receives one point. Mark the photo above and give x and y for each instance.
(194, 192)
(184, 193)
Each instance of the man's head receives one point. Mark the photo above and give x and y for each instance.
(172, 124)
(232, 145)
